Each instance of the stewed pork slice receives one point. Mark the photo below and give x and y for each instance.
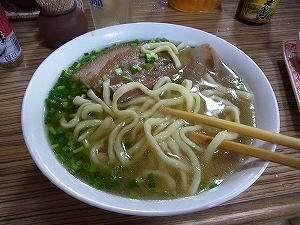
(200, 60)
(123, 63)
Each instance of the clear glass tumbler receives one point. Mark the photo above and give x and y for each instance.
(110, 12)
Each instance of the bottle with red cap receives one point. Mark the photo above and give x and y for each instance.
(11, 54)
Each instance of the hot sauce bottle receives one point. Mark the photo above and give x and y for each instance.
(10, 50)
(256, 12)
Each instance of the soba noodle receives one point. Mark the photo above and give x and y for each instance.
(160, 139)
(164, 135)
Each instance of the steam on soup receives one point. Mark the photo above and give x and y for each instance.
(105, 126)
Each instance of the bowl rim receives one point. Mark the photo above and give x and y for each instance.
(32, 121)
(298, 45)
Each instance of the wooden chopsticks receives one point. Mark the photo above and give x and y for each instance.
(249, 150)
(254, 132)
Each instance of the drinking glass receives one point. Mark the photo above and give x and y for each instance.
(194, 5)
(110, 12)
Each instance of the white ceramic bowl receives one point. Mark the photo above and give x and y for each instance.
(47, 73)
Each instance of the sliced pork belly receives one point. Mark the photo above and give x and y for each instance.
(90, 74)
(105, 64)
(195, 62)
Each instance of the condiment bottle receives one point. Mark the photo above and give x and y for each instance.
(256, 12)
(11, 54)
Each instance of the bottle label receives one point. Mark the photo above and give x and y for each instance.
(258, 11)
(9, 46)
(96, 3)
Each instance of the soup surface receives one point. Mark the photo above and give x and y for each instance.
(105, 126)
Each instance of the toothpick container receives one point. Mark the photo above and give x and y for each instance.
(57, 28)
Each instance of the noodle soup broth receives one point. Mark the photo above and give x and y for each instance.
(126, 146)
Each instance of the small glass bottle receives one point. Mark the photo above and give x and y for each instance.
(256, 12)
(11, 54)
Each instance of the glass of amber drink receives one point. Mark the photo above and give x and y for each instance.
(194, 5)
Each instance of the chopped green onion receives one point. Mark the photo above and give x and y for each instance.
(133, 195)
(85, 143)
(122, 65)
(116, 171)
(81, 148)
(115, 182)
(151, 181)
(70, 143)
(74, 166)
(105, 142)
(132, 184)
(128, 144)
(142, 55)
(202, 186)
(86, 166)
(164, 40)
(65, 148)
(104, 78)
(139, 180)
(213, 185)
(61, 158)
(79, 162)
(240, 84)
(118, 71)
(93, 167)
(59, 115)
(167, 62)
(159, 40)
(52, 130)
(178, 77)
(91, 178)
(135, 43)
(151, 57)
(55, 146)
(65, 104)
(174, 193)
(152, 191)
(147, 66)
(135, 68)
(126, 79)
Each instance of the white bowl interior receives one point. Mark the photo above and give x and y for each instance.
(34, 131)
